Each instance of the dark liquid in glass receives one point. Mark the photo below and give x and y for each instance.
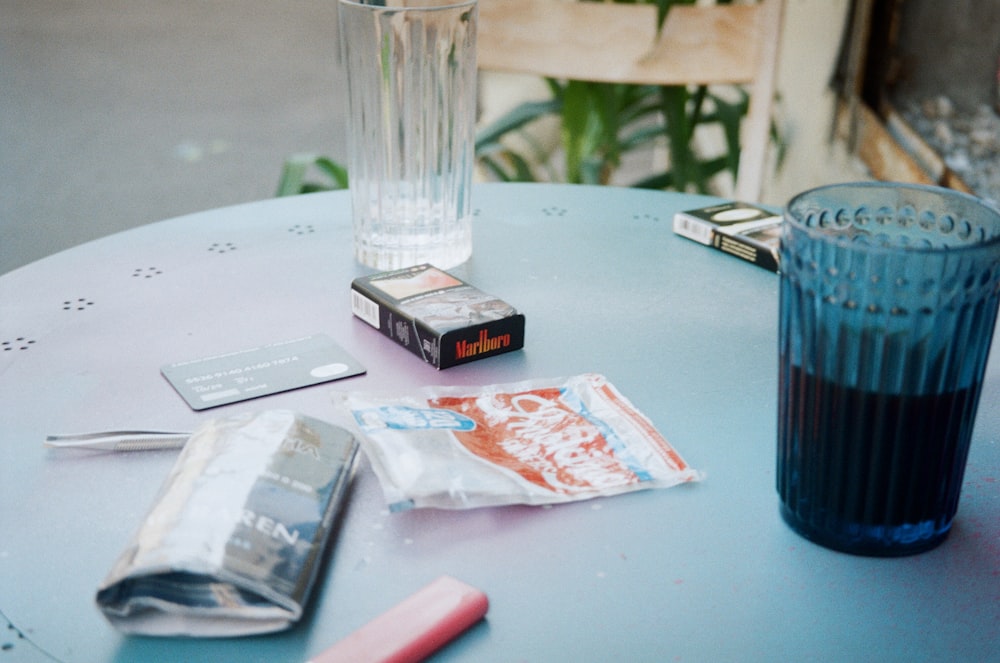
(870, 473)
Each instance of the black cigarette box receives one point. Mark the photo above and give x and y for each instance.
(745, 231)
(437, 316)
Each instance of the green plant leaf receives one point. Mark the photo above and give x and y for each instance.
(641, 137)
(506, 165)
(333, 170)
(578, 128)
(730, 115)
(293, 175)
(674, 99)
(515, 119)
(664, 180)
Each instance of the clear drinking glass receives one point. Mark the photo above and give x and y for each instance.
(888, 301)
(411, 77)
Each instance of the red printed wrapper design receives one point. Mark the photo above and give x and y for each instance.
(535, 442)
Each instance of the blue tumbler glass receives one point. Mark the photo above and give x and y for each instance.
(888, 301)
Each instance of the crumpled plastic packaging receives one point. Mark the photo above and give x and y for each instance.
(533, 442)
(233, 541)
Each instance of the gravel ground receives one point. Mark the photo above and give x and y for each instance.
(945, 84)
(967, 140)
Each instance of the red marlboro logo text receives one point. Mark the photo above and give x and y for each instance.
(485, 343)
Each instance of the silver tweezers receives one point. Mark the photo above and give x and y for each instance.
(120, 440)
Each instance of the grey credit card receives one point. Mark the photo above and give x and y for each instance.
(268, 369)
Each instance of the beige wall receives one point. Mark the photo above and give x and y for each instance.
(810, 43)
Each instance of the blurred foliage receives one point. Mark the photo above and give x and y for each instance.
(298, 169)
(601, 122)
(598, 124)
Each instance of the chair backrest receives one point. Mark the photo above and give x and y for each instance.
(616, 42)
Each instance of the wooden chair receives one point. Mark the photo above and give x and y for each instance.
(613, 42)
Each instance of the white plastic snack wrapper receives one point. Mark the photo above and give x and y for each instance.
(233, 541)
(533, 442)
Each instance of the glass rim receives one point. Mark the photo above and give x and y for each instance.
(420, 5)
(942, 192)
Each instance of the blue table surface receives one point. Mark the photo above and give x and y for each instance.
(700, 572)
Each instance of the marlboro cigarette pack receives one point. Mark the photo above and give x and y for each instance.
(437, 316)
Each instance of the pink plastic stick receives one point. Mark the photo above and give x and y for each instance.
(414, 629)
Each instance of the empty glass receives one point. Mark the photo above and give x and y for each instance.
(411, 74)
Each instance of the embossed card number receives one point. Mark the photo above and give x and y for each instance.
(269, 369)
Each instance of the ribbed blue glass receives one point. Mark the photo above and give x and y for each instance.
(411, 78)
(888, 301)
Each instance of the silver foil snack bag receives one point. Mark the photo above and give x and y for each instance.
(233, 541)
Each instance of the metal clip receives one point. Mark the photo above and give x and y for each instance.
(123, 440)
